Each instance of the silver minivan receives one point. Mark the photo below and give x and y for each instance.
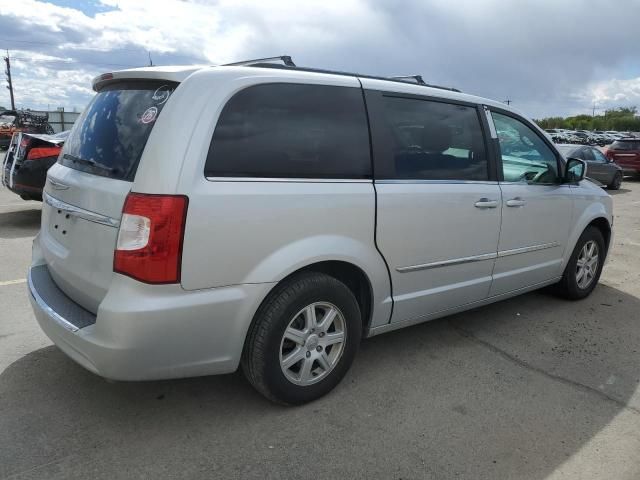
(269, 216)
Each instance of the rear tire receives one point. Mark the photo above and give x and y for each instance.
(293, 353)
(583, 270)
(616, 182)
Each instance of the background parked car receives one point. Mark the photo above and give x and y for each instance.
(626, 153)
(599, 168)
(27, 160)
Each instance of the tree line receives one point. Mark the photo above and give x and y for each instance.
(621, 119)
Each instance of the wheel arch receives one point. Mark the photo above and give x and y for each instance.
(596, 217)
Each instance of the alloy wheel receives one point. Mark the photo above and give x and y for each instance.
(312, 343)
(587, 265)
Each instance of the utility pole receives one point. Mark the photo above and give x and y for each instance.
(10, 85)
(594, 110)
(150, 61)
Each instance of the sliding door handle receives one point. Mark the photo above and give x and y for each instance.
(486, 203)
(516, 202)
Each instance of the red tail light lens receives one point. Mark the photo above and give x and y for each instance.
(149, 245)
(43, 152)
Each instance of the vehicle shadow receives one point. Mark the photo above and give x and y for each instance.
(618, 192)
(511, 390)
(20, 223)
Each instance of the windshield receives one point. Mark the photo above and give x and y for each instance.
(7, 118)
(109, 137)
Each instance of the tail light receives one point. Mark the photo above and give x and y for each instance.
(43, 152)
(609, 154)
(149, 246)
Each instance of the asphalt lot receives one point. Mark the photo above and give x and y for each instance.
(530, 388)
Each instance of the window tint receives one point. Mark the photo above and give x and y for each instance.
(295, 131)
(586, 154)
(598, 156)
(435, 140)
(109, 137)
(525, 156)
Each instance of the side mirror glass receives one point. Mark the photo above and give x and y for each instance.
(575, 170)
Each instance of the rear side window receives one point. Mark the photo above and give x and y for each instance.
(109, 137)
(435, 140)
(625, 145)
(292, 131)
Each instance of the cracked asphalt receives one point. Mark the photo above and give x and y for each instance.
(530, 388)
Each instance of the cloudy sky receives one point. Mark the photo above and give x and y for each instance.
(549, 57)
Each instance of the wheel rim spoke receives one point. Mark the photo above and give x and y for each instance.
(305, 370)
(333, 338)
(327, 320)
(294, 357)
(323, 361)
(310, 317)
(294, 335)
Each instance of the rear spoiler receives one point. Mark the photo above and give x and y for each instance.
(56, 139)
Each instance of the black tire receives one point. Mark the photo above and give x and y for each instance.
(261, 355)
(568, 287)
(616, 182)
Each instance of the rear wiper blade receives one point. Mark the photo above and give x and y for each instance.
(91, 163)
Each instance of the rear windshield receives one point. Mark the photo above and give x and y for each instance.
(109, 137)
(626, 145)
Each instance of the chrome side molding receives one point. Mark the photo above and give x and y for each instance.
(532, 248)
(80, 212)
(447, 263)
(477, 258)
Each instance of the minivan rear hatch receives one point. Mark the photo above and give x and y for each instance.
(86, 189)
(626, 153)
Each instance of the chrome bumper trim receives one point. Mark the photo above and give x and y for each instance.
(80, 212)
(47, 309)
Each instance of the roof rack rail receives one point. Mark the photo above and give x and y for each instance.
(285, 59)
(405, 78)
(261, 63)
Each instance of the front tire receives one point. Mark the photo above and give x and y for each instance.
(616, 182)
(583, 270)
(303, 340)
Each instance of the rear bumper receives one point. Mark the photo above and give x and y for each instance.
(144, 332)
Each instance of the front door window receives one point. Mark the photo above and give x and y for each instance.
(525, 156)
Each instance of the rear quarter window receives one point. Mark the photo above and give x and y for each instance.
(291, 131)
(109, 137)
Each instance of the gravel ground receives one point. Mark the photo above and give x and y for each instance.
(529, 388)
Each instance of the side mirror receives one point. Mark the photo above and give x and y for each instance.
(575, 170)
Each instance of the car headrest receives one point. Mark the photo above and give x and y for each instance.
(436, 137)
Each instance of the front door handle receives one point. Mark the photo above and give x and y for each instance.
(486, 203)
(516, 202)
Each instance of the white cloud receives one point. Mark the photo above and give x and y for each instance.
(616, 92)
(548, 57)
